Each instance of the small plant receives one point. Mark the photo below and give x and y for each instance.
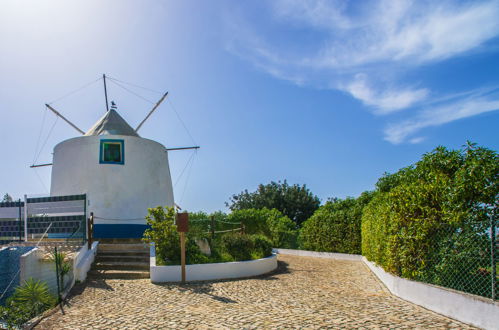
(28, 301)
(63, 265)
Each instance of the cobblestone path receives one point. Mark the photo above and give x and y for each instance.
(302, 293)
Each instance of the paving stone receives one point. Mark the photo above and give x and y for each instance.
(308, 293)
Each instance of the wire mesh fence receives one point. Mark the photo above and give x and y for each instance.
(463, 257)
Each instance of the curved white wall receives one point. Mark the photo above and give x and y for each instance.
(114, 191)
(207, 272)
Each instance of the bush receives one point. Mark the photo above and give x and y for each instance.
(238, 246)
(273, 224)
(28, 301)
(429, 221)
(335, 226)
(262, 246)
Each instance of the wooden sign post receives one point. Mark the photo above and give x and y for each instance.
(182, 227)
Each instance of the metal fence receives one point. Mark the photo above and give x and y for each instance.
(63, 216)
(463, 258)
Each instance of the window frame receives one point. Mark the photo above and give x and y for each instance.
(101, 153)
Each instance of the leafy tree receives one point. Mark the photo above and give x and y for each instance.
(270, 223)
(429, 221)
(335, 226)
(7, 198)
(295, 201)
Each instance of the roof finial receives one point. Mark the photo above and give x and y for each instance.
(113, 105)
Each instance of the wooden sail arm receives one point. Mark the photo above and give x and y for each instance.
(40, 165)
(64, 118)
(150, 112)
(182, 148)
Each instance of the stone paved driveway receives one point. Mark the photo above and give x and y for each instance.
(303, 293)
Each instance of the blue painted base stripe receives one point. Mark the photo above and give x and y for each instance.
(119, 231)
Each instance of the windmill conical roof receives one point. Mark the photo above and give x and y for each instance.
(111, 124)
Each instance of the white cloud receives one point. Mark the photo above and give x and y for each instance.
(387, 100)
(365, 48)
(400, 132)
(381, 31)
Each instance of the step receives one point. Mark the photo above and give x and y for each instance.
(121, 258)
(112, 265)
(120, 240)
(123, 253)
(117, 274)
(141, 247)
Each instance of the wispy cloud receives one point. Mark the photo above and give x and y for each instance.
(385, 101)
(364, 49)
(435, 116)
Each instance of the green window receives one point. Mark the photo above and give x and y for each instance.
(112, 152)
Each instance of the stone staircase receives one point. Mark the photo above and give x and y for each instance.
(121, 259)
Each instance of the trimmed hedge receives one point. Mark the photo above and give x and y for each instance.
(335, 226)
(429, 221)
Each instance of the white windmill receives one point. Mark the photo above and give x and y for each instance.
(122, 173)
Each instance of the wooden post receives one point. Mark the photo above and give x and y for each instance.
(182, 222)
(90, 229)
(20, 219)
(212, 227)
(182, 254)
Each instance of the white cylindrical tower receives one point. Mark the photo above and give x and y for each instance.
(122, 173)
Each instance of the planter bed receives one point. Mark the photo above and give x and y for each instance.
(217, 271)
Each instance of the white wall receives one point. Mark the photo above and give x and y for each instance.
(83, 261)
(204, 272)
(33, 266)
(115, 191)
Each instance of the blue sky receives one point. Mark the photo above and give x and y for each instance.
(326, 93)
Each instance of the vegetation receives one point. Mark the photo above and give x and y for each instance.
(335, 226)
(63, 266)
(271, 223)
(224, 248)
(28, 301)
(296, 202)
(7, 198)
(429, 221)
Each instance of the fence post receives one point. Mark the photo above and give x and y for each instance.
(56, 259)
(20, 219)
(212, 227)
(493, 253)
(25, 218)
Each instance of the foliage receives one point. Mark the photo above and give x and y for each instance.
(28, 301)
(296, 202)
(245, 247)
(237, 245)
(271, 223)
(262, 246)
(7, 198)
(335, 226)
(429, 221)
(63, 266)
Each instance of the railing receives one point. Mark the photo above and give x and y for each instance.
(67, 213)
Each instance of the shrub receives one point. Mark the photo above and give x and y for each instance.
(238, 246)
(429, 221)
(262, 246)
(27, 301)
(335, 226)
(271, 223)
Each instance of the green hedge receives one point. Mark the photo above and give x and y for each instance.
(335, 226)
(429, 221)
